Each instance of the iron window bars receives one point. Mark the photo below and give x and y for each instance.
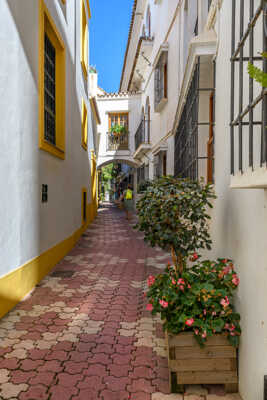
(246, 37)
(142, 134)
(161, 79)
(141, 174)
(186, 155)
(50, 92)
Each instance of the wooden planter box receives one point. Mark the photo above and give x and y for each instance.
(216, 363)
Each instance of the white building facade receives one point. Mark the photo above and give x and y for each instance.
(201, 115)
(47, 161)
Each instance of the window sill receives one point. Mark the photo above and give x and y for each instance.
(52, 149)
(256, 179)
(159, 107)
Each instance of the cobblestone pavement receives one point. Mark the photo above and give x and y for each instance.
(84, 333)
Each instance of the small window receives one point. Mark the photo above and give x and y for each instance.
(84, 126)
(84, 205)
(118, 119)
(84, 40)
(51, 86)
(148, 22)
(161, 81)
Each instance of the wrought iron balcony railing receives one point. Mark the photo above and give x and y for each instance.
(142, 135)
(115, 143)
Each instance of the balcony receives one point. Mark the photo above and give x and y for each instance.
(117, 143)
(142, 139)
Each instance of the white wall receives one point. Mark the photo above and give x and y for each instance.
(29, 227)
(239, 230)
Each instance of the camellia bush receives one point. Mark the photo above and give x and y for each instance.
(199, 300)
(173, 214)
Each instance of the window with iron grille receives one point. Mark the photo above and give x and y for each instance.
(186, 139)
(50, 92)
(248, 99)
(194, 138)
(161, 81)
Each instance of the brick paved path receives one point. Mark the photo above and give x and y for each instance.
(87, 336)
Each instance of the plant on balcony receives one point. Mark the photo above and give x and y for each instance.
(118, 130)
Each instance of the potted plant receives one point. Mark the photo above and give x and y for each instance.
(118, 130)
(194, 298)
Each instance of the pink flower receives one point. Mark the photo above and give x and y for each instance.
(189, 321)
(149, 307)
(163, 303)
(225, 302)
(196, 331)
(195, 256)
(222, 312)
(144, 294)
(189, 286)
(226, 326)
(204, 335)
(224, 261)
(232, 333)
(205, 312)
(226, 270)
(235, 280)
(232, 328)
(181, 288)
(213, 313)
(173, 281)
(181, 281)
(150, 280)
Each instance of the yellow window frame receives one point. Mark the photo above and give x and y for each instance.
(48, 27)
(84, 125)
(84, 40)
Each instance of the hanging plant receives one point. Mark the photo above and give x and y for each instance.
(118, 130)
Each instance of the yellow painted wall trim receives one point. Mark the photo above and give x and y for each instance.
(18, 283)
(95, 110)
(84, 124)
(84, 40)
(89, 9)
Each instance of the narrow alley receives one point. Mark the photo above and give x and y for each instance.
(84, 333)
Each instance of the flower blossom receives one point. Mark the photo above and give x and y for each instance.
(225, 302)
(196, 331)
(173, 281)
(163, 303)
(204, 334)
(205, 311)
(194, 257)
(213, 313)
(189, 286)
(235, 280)
(189, 322)
(226, 270)
(181, 281)
(150, 280)
(149, 307)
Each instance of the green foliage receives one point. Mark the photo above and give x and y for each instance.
(173, 214)
(198, 300)
(118, 130)
(142, 186)
(107, 172)
(257, 74)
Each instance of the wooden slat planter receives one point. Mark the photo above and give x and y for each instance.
(216, 363)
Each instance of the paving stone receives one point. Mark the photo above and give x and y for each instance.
(35, 392)
(195, 389)
(161, 396)
(9, 390)
(117, 384)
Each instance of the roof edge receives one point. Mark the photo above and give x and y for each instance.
(128, 42)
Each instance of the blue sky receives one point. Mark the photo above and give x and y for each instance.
(109, 29)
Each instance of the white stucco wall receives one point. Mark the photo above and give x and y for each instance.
(29, 227)
(239, 230)
(121, 103)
